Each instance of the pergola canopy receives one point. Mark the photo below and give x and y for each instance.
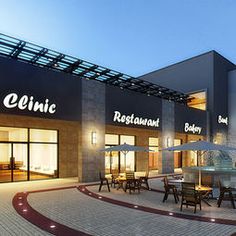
(43, 57)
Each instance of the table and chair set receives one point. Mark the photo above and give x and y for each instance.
(130, 181)
(193, 195)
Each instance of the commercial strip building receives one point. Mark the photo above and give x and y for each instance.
(57, 112)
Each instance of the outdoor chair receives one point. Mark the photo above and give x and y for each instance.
(168, 189)
(103, 181)
(115, 175)
(225, 194)
(190, 197)
(144, 180)
(132, 183)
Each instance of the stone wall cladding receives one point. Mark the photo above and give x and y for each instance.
(91, 160)
(166, 158)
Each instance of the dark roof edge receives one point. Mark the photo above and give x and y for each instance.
(224, 58)
(188, 59)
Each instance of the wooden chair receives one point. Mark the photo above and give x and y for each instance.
(225, 194)
(168, 189)
(115, 175)
(131, 182)
(190, 197)
(144, 180)
(102, 180)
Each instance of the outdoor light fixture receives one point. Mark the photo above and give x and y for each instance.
(93, 137)
(168, 142)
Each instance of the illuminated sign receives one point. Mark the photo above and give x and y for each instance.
(135, 120)
(12, 100)
(222, 120)
(192, 128)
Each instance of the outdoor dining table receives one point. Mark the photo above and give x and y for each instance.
(203, 190)
(120, 180)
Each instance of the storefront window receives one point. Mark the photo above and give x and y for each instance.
(43, 153)
(198, 100)
(43, 161)
(193, 157)
(117, 161)
(13, 134)
(24, 157)
(41, 135)
(177, 155)
(111, 158)
(153, 156)
(127, 161)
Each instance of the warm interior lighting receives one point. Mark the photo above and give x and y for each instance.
(198, 100)
(93, 137)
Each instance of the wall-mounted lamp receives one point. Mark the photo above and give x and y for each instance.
(168, 142)
(93, 137)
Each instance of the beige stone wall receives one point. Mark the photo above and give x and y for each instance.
(68, 138)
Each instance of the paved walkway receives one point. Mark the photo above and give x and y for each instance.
(89, 214)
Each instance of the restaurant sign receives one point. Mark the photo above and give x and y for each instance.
(135, 120)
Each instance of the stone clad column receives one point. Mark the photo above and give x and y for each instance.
(166, 158)
(91, 160)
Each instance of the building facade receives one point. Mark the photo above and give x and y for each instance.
(58, 112)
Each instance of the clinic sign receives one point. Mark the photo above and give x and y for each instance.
(29, 103)
(132, 119)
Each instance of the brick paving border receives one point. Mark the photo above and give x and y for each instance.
(21, 205)
(23, 208)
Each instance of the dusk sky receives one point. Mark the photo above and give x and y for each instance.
(131, 36)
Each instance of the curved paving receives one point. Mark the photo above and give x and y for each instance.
(66, 213)
(24, 209)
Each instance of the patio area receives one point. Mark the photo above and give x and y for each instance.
(86, 211)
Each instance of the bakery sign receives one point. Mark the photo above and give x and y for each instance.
(25, 102)
(192, 128)
(132, 119)
(223, 120)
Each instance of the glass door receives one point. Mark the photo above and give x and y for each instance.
(5, 167)
(20, 163)
(13, 162)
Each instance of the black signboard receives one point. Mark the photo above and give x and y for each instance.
(190, 120)
(29, 90)
(132, 109)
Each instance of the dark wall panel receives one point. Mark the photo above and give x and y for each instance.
(220, 106)
(128, 103)
(187, 120)
(25, 79)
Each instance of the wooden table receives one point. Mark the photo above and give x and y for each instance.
(120, 180)
(204, 191)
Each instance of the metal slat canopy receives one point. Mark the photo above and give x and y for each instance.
(43, 57)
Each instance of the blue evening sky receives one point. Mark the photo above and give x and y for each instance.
(130, 36)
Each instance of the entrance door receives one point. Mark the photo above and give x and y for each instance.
(13, 162)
